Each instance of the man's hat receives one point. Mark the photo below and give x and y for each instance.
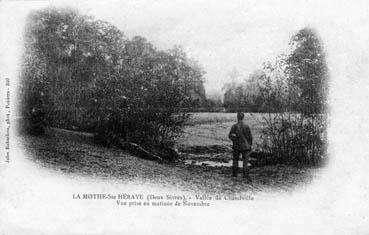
(240, 116)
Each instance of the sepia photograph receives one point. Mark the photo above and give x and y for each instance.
(151, 115)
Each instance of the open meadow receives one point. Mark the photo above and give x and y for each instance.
(206, 129)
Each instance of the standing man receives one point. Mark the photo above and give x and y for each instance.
(241, 136)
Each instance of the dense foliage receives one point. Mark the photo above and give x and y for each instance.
(297, 87)
(85, 74)
(292, 90)
(296, 81)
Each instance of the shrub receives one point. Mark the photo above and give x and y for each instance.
(91, 77)
(295, 138)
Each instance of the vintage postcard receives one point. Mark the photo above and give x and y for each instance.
(184, 117)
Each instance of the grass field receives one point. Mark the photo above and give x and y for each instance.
(205, 129)
(62, 153)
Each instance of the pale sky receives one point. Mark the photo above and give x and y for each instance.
(221, 35)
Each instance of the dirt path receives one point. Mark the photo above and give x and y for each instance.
(93, 160)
